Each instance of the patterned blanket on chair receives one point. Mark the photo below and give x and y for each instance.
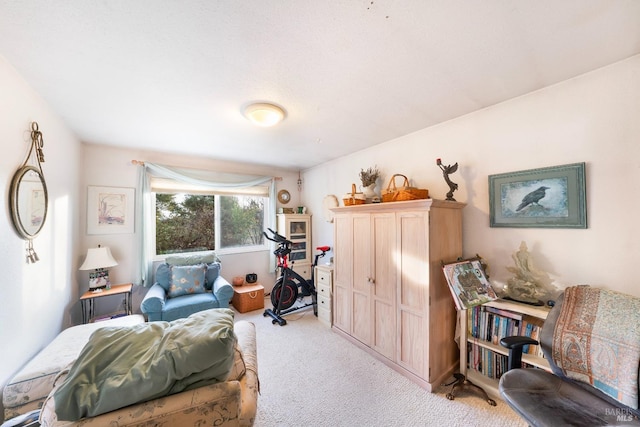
(597, 341)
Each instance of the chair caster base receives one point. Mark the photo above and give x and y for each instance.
(461, 383)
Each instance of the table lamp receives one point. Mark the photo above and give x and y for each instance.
(98, 259)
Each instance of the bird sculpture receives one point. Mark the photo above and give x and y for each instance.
(446, 171)
(533, 197)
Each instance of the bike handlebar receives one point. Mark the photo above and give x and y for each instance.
(276, 237)
(281, 240)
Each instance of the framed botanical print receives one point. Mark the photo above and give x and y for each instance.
(110, 210)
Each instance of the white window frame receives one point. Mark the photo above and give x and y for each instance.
(220, 251)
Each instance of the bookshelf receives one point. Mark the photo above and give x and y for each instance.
(482, 358)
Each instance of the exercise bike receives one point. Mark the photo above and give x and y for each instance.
(290, 285)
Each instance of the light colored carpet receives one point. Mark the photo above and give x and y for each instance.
(310, 376)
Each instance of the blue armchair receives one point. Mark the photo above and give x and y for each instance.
(185, 285)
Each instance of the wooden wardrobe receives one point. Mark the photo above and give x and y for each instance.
(390, 296)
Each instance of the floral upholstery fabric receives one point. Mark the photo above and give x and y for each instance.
(164, 275)
(216, 404)
(249, 384)
(29, 387)
(230, 403)
(124, 365)
(187, 279)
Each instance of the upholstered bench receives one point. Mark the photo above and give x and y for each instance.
(29, 387)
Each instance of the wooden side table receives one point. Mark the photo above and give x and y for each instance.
(87, 299)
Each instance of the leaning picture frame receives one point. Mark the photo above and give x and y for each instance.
(110, 210)
(551, 197)
(468, 283)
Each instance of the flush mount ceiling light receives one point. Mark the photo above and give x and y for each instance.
(264, 114)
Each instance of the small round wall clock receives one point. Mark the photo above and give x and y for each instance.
(284, 197)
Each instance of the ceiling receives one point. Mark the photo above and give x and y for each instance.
(174, 75)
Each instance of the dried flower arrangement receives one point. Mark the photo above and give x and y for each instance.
(369, 176)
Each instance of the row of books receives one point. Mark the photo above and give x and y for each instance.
(489, 363)
(492, 324)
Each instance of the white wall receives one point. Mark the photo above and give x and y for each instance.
(39, 299)
(109, 166)
(592, 118)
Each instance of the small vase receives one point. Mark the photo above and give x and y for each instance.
(370, 194)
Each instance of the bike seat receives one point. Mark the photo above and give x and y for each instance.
(323, 248)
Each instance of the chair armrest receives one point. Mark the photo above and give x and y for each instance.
(515, 344)
(223, 291)
(153, 302)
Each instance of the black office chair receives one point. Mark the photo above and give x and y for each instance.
(585, 325)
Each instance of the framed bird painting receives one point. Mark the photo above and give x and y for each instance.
(552, 197)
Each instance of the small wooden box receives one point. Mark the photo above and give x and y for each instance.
(248, 297)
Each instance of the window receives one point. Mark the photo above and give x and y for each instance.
(191, 222)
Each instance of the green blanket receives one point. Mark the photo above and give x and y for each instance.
(120, 366)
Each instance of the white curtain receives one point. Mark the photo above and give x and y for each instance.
(213, 181)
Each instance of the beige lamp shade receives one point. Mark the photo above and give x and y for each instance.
(99, 257)
(99, 260)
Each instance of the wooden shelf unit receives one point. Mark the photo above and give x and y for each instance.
(490, 385)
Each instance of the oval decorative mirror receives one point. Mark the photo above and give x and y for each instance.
(28, 201)
(28, 197)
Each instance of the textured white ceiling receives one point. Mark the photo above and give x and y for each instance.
(173, 75)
